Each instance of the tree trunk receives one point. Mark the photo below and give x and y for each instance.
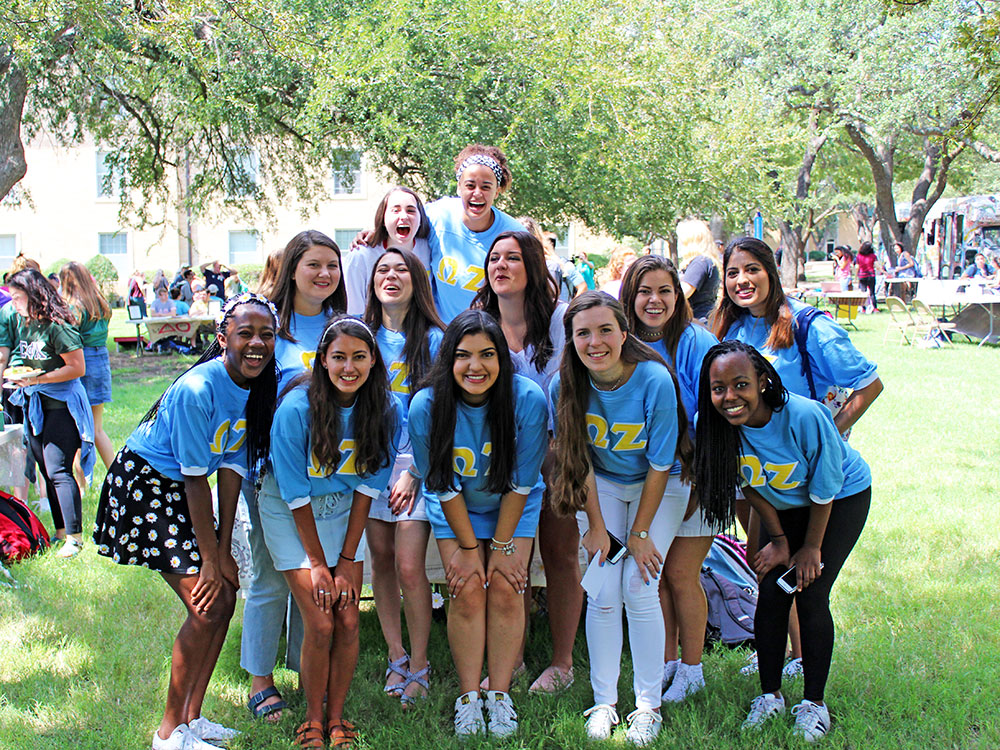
(793, 255)
(863, 221)
(13, 88)
(881, 161)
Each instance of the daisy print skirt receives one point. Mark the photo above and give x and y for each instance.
(143, 519)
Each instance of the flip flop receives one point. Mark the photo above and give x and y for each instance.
(397, 667)
(262, 712)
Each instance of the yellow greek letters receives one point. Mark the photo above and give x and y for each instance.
(478, 274)
(448, 270)
(308, 358)
(223, 436)
(463, 461)
(629, 439)
(347, 458)
(599, 434)
(398, 372)
(315, 470)
(776, 475)
(755, 477)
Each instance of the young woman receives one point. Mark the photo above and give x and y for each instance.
(400, 222)
(843, 259)
(155, 509)
(812, 491)
(333, 444)
(754, 310)
(620, 427)
(621, 258)
(307, 289)
(659, 315)
(466, 226)
(520, 293)
(93, 314)
(136, 290)
(408, 332)
(480, 460)
(701, 264)
(57, 417)
(866, 262)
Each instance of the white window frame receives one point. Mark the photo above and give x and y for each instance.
(112, 236)
(341, 176)
(233, 234)
(249, 164)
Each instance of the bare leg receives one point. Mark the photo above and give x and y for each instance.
(101, 440)
(385, 586)
(318, 626)
(505, 622)
(683, 576)
(194, 654)
(794, 637)
(669, 620)
(411, 554)
(559, 543)
(343, 654)
(467, 624)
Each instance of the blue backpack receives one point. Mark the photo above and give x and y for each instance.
(731, 589)
(803, 321)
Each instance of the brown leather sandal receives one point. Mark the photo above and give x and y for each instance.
(309, 734)
(341, 733)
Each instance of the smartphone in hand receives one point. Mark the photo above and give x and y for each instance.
(788, 581)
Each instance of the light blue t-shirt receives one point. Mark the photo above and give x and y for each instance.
(472, 445)
(295, 468)
(799, 458)
(295, 357)
(634, 427)
(692, 347)
(199, 428)
(390, 345)
(835, 360)
(181, 307)
(458, 253)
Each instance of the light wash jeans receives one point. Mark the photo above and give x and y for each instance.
(619, 505)
(269, 605)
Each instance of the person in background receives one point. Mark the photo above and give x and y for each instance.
(568, 280)
(54, 281)
(622, 256)
(57, 417)
(155, 509)
(234, 284)
(200, 305)
(842, 262)
(159, 281)
(136, 291)
(93, 315)
(586, 269)
(866, 262)
(701, 266)
(163, 306)
(979, 269)
(186, 286)
(216, 273)
(181, 308)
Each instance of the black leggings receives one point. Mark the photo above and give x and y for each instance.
(868, 284)
(54, 451)
(847, 519)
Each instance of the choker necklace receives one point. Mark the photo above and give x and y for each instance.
(613, 385)
(645, 335)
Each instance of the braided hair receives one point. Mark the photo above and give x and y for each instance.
(263, 388)
(718, 444)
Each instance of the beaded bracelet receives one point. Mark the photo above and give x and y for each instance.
(506, 548)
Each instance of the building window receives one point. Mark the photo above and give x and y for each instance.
(562, 240)
(108, 176)
(346, 172)
(244, 247)
(241, 174)
(344, 238)
(8, 250)
(113, 243)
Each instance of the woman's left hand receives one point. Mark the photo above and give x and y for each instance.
(229, 569)
(508, 566)
(646, 557)
(404, 494)
(344, 592)
(771, 555)
(807, 565)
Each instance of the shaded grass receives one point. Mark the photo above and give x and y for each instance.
(85, 644)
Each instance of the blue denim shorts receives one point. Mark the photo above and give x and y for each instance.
(97, 381)
(484, 519)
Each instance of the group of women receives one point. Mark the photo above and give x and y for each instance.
(469, 401)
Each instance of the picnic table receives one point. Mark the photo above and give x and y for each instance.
(975, 306)
(180, 326)
(845, 305)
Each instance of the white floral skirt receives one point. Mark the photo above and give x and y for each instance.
(143, 519)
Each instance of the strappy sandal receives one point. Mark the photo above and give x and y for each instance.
(397, 668)
(420, 678)
(309, 734)
(341, 733)
(263, 712)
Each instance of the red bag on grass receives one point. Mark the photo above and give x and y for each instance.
(21, 533)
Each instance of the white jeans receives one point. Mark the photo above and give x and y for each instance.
(619, 505)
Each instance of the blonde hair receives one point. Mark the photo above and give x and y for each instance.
(695, 238)
(617, 261)
(80, 291)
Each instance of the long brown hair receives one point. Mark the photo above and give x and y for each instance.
(79, 290)
(421, 316)
(381, 235)
(777, 313)
(541, 295)
(283, 290)
(44, 302)
(681, 316)
(373, 416)
(571, 444)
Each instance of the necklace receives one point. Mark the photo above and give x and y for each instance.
(647, 335)
(613, 386)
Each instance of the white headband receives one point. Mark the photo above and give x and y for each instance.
(484, 160)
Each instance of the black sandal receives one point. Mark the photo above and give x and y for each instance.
(262, 712)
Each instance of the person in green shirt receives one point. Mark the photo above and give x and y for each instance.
(93, 315)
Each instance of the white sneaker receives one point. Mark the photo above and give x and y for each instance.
(643, 726)
(501, 718)
(763, 708)
(812, 720)
(688, 681)
(205, 729)
(669, 670)
(792, 669)
(469, 714)
(601, 721)
(750, 668)
(181, 739)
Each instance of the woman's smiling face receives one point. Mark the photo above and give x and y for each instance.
(736, 391)
(655, 299)
(478, 188)
(476, 367)
(747, 282)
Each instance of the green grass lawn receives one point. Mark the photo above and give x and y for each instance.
(85, 644)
